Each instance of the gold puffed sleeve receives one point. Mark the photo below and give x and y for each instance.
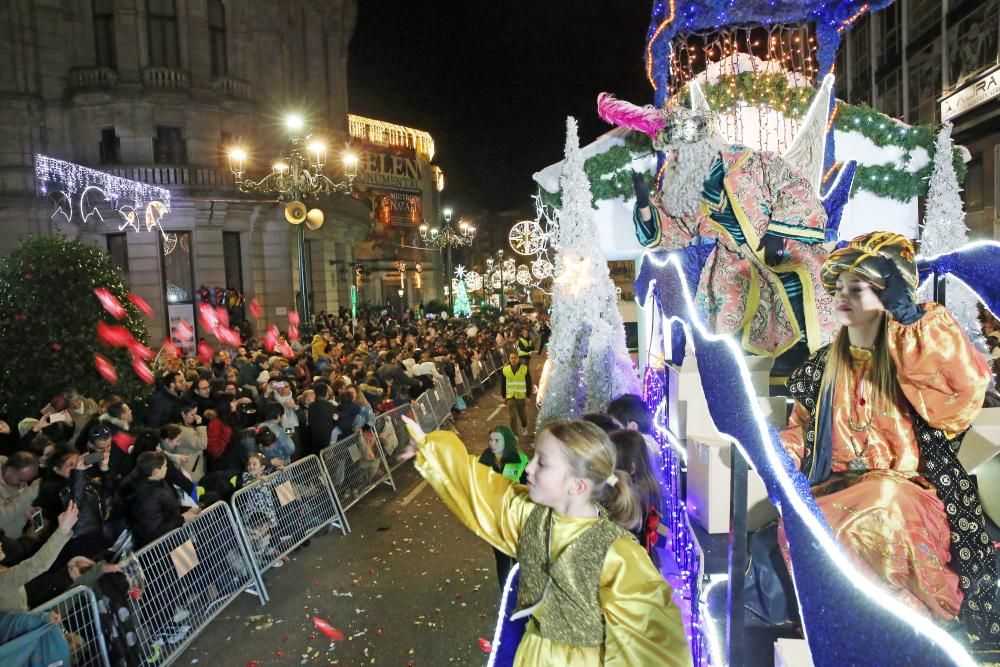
(793, 435)
(489, 504)
(643, 625)
(941, 374)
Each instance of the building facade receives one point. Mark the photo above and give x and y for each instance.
(402, 189)
(929, 61)
(158, 91)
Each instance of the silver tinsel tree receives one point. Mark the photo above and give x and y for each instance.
(944, 230)
(589, 361)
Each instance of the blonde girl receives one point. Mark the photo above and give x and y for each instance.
(589, 590)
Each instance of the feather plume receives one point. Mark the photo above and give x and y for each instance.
(646, 119)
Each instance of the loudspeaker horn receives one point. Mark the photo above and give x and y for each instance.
(314, 219)
(295, 212)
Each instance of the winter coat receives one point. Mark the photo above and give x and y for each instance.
(192, 443)
(56, 492)
(151, 508)
(321, 423)
(164, 408)
(12, 580)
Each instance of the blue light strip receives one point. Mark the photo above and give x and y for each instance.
(843, 614)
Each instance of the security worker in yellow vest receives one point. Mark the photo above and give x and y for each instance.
(523, 346)
(515, 386)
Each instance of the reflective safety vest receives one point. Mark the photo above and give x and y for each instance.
(515, 381)
(513, 471)
(523, 347)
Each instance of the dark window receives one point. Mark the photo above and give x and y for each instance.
(162, 21)
(118, 251)
(169, 146)
(232, 258)
(104, 33)
(110, 147)
(974, 184)
(217, 38)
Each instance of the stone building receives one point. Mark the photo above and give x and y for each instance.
(928, 61)
(157, 91)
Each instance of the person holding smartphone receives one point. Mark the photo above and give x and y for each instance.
(66, 481)
(12, 580)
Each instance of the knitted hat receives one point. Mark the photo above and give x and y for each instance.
(861, 254)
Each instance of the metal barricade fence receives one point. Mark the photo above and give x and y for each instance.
(283, 510)
(423, 411)
(441, 398)
(355, 465)
(392, 433)
(81, 625)
(183, 580)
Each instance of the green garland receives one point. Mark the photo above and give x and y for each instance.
(609, 179)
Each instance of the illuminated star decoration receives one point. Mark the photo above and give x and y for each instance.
(460, 272)
(575, 275)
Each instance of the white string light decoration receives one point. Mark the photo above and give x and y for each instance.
(79, 188)
(527, 238)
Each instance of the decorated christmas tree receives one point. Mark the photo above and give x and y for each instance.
(589, 362)
(462, 308)
(48, 323)
(944, 230)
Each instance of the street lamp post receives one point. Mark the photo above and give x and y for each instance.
(446, 238)
(500, 269)
(293, 179)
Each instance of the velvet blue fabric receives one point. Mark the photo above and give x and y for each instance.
(975, 264)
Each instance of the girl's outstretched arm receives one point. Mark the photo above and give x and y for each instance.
(489, 504)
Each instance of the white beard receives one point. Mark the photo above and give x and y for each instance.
(684, 179)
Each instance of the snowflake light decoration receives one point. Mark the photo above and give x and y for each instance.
(527, 238)
(473, 281)
(523, 275)
(460, 272)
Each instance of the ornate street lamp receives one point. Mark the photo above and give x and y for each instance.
(294, 179)
(447, 237)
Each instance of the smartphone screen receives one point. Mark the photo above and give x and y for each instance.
(37, 524)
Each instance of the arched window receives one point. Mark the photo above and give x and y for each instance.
(217, 38)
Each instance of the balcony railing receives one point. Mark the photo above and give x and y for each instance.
(176, 176)
(235, 88)
(166, 78)
(92, 78)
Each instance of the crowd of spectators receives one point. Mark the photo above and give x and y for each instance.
(87, 470)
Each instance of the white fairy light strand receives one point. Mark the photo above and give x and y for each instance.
(76, 181)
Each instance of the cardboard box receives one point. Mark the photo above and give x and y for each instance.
(981, 442)
(709, 474)
(792, 653)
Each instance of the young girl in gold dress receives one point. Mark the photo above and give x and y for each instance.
(590, 591)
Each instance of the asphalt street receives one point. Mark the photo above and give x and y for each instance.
(408, 586)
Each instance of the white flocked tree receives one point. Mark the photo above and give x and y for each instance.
(944, 230)
(589, 361)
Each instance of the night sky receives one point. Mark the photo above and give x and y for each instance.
(494, 81)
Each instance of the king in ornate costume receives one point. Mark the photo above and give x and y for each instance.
(754, 214)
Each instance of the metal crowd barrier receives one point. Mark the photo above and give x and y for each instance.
(423, 411)
(355, 465)
(392, 432)
(283, 510)
(183, 580)
(81, 625)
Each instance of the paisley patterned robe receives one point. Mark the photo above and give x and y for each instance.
(738, 293)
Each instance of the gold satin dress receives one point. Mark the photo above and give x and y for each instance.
(642, 624)
(876, 501)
